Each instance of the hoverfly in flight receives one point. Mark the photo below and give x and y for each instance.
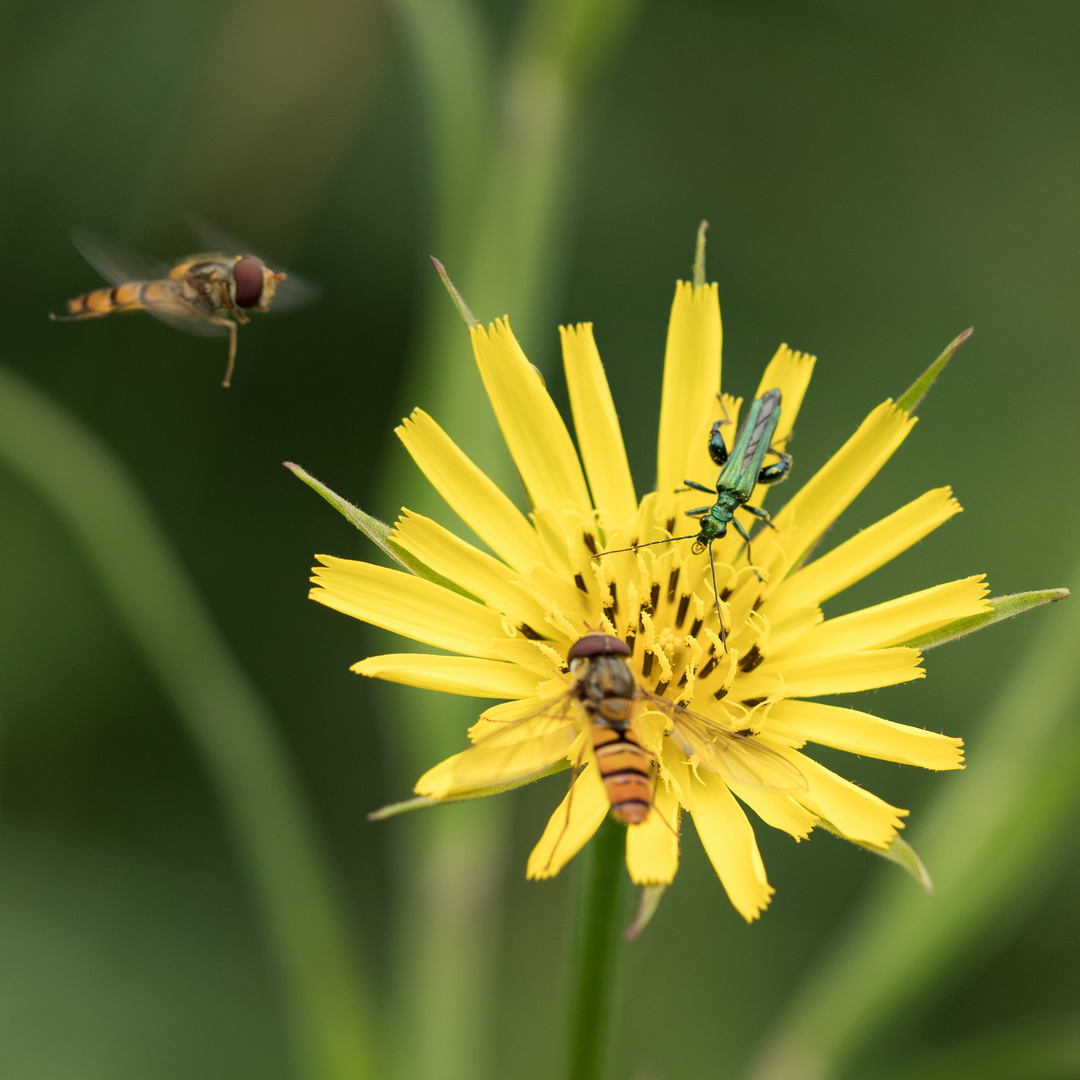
(208, 294)
(610, 702)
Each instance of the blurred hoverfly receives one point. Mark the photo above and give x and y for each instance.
(208, 294)
(611, 701)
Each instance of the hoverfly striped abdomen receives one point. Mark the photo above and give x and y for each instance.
(608, 692)
(626, 770)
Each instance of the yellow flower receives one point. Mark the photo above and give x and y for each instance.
(509, 618)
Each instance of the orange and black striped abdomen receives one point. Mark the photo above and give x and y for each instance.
(128, 297)
(626, 770)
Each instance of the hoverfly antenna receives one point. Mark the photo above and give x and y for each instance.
(649, 543)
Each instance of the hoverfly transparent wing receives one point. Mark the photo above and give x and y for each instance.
(732, 755)
(518, 748)
(292, 293)
(120, 267)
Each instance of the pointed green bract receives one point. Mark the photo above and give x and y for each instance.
(899, 852)
(421, 801)
(651, 895)
(909, 401)
(377, 531)
(699, 256)
(471, 321)
(1004, 607)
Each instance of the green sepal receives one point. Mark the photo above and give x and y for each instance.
(1003, 607)
(899, 852)
(651, 895)
(471, 321)
(421, 801)
(699, 257)
(378, 532)
(909, 401)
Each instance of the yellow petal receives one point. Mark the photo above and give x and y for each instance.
(538, 440)
(476, 499)
(691, 379)
(856, 813)
(789, 372)
(596, 424)
(728, 839)
(496, 760)
(491, 580)
(842, 673)
(571, 826)
(831, 490)
(451, 674)
(777, 809)
(895, 621)
(406, 605)
(652, 848)
(863, 553)
(861, 733)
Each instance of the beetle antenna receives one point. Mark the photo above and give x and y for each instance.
(649, 543)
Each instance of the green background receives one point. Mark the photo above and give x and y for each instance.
(876, 178)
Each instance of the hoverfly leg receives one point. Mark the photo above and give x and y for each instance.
(569, 804)
(652, 802)
(231, 327)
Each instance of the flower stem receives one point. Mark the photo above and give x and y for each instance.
(596, 952)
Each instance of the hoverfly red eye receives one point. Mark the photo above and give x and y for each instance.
(597, 645)
(248, 275)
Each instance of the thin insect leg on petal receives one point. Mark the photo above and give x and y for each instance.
(569, 804)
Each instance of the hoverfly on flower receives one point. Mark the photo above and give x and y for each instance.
(600, 719)
(208, 294)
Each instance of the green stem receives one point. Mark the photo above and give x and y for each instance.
(503, 159)
(596, 952)
(223, 714)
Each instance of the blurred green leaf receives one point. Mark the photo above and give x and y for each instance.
(1048, 1050)
(223, 714)
(990, 837)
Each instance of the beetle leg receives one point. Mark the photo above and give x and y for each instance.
(693, 485)
(746, 536)
(777, 471)
(718, 450)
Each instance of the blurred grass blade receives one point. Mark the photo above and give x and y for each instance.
(991, 839)
(504, 165)
(1003, 607)
(326, 1001)
(910, 400)
(378, 532)
(1049, 1050)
